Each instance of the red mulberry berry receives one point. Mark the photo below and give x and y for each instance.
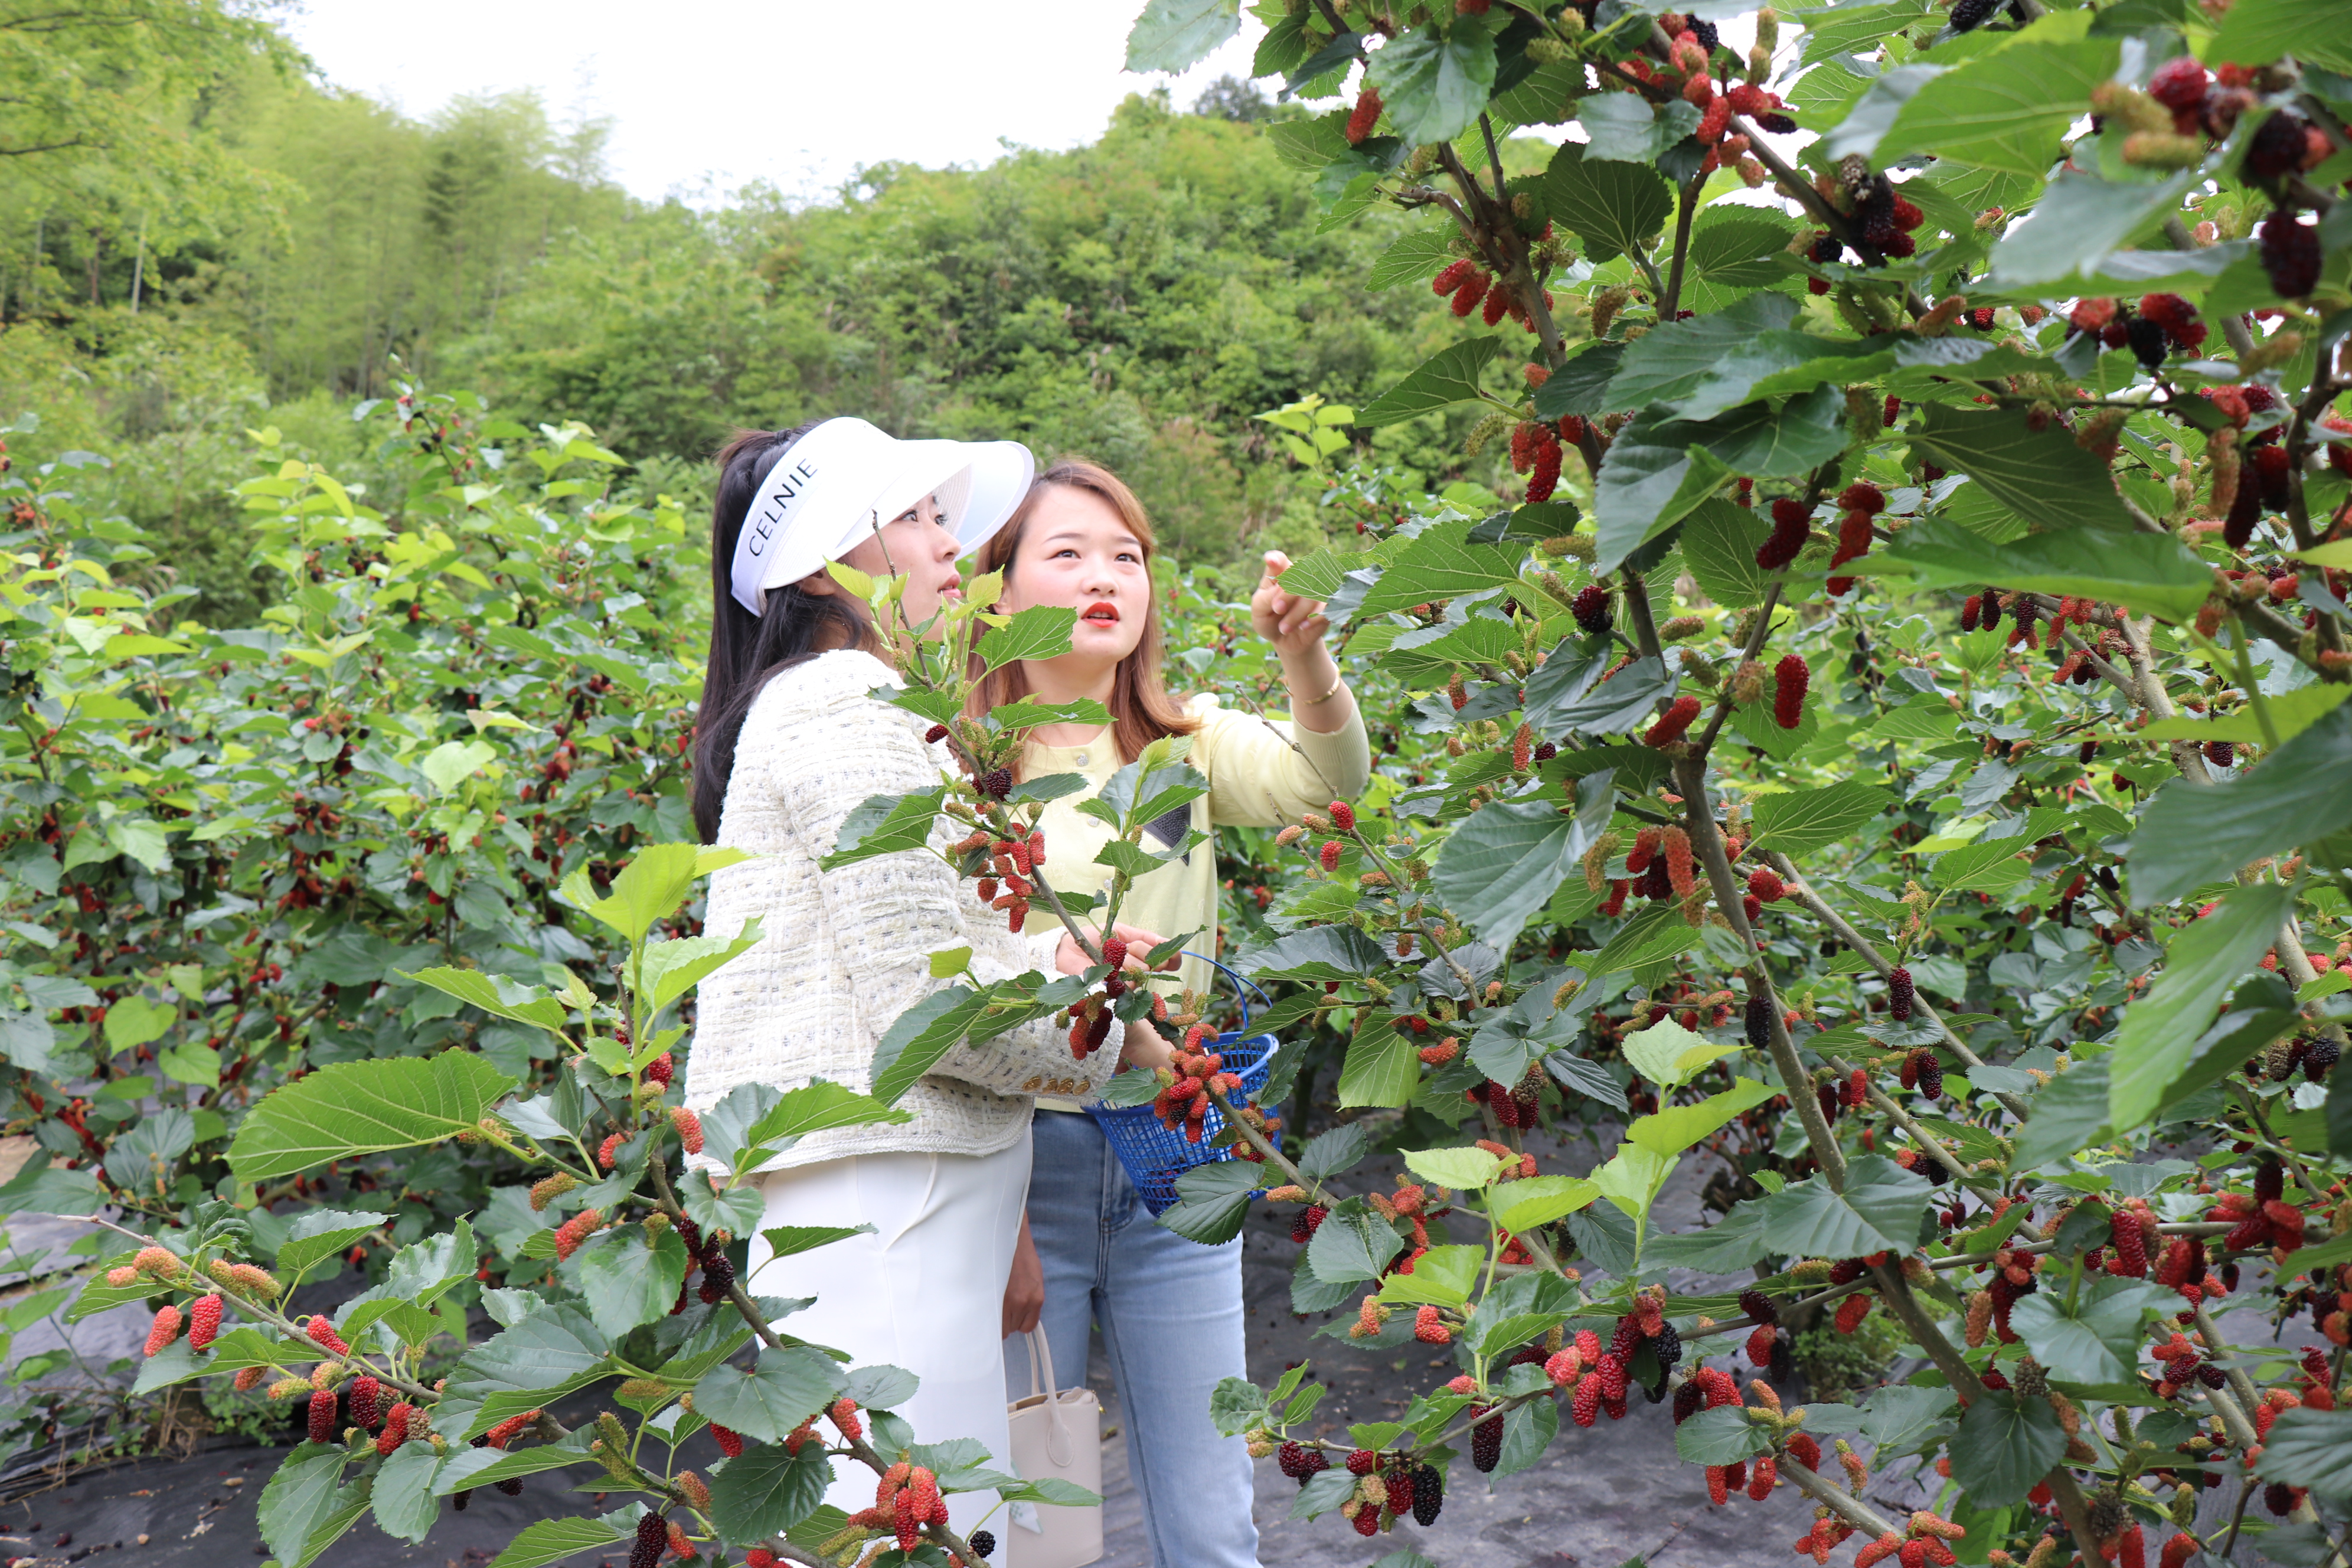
(204, 1321)
(2290, 254)
(1857, 1094)
(1790, 678)
(1765, 883)
(1430, 1329)
(1851, 1312)
(2180, 85)
(1343, 816)
(1497, 306)
(1452, 277)
(1760, 1341)
(1591, 609)
(1789, 522)
(1400, 1486)
(690, 1128)
(2245, 512)
(2130, 1242)
(1861, 496)
(322, 1417)
(652, 1539)
(935, 735)
(166, 1329)
(661, 1069)
(2277, 147)
(575, 1230)
(1854, 538)
(506, 1431)
(1486, 1445)
(2176, 315)
(1330, 854)
(1363, 1462)
(395, 1429)
(1366, 114)
(1473, 290)
(1546, 478)
(2221, 753)
(1762, 1476)
(845, 1416)
(1365, 1520)
(364, 1393)
(1302, 1228)
(1672, 723)
(322, 1333)
(608, 1152)
(730, 1442)
(1900, 993)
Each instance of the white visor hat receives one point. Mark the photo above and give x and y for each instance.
(846, 478)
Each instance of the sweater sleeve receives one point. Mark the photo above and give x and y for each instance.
(887, 914)
(1257, 779)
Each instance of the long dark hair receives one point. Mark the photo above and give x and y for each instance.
(748, 650)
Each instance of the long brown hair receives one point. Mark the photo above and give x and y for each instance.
(1141, 710)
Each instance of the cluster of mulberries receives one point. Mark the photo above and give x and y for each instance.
(2264, 1219)
(1885, 218)
(1185, 1100)
(1010, 862)
(1923, 1070)
(1514, 1105)
(2160, 323)
(1536, 452)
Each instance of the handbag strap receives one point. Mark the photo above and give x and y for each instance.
(1060, 1443)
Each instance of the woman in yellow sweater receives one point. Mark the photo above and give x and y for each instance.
(1169, 1310)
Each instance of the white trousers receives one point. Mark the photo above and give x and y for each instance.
(925, 1292)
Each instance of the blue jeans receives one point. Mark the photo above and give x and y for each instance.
(1171, 1315)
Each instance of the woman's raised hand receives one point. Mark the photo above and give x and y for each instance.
(1292, 624)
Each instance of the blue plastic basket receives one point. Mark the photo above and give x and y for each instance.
(1154, 1156)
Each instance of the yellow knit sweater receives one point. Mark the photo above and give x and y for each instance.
(1255, 779)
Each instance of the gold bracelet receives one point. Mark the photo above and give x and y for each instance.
(1340, 682)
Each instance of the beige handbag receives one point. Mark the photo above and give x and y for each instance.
(1056, 1432)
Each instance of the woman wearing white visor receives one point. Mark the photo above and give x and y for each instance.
(789, 741)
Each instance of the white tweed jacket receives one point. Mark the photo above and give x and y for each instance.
(842, 954)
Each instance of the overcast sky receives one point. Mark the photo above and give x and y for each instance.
(714, 93)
